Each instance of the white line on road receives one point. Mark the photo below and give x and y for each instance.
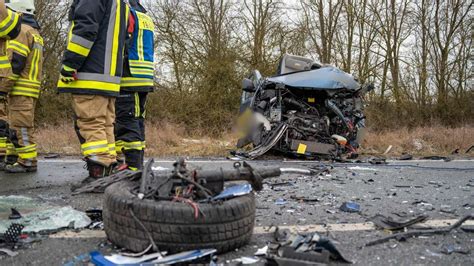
(297, 228)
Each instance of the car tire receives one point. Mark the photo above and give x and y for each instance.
(224, 226)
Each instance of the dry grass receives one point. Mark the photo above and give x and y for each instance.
(162, 140)
(422, 141)
(170, 140)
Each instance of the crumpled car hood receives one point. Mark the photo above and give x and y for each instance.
(326, 78)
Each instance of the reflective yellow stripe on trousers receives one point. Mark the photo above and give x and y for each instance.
(27, 152)
(95, 147)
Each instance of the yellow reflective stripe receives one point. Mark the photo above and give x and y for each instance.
(141, 63)
(30, 83)
(19, 47)
(140, 45)
(115, 45)
(93, 85)
(112, 149)
(119, 146)
(26, 156)
(137, 105)
(27, 152)
(3, 143)
(12, 16)
(75, 48)
(28, 148)
(135, 70)
(94, 143)
(136, 82)
(136, 145)
(23, 91)
(34, 65)
(90, 148)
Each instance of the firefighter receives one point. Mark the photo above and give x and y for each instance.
(91, 72)
(137, 82)
(10, 25)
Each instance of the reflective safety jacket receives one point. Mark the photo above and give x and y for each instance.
(95, 46)
(139, 68)
(10, 25)
(26, 56)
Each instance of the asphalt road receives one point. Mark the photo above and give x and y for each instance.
(442, 190)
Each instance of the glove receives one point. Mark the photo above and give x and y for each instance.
(68, 74)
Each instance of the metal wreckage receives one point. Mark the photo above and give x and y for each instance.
(308, 109)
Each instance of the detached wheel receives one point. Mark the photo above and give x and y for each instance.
(172, 225)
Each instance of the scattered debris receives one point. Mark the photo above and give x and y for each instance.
(247, 260)
(38, 216)
(377, 161)
(304, 198)
(302, 249)
(261, 251)
(388, 223)
(405, 157)
(280, 201)
(15, 215)
(415, 233)
(8, 252)
(350, 207)
(153, 259)
(453, 248)
(234, 191)
(362, 168)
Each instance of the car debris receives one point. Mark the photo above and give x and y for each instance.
(419, 233)
(15, 215)
(198, 198)
(308, 110)
(187, 257)
(453, 248)
(234, 191)
(8, 252)
(388, 223)
(302, 249)
(262, 251)
(39, 216)
(350, 207)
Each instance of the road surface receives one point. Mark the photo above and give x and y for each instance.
(442, 190)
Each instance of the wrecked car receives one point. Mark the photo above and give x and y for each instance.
(307, 109)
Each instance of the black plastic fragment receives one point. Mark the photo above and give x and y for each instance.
(15, 214)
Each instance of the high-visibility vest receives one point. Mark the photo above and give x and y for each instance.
(96, 46)
(10, 26)
(139, 66)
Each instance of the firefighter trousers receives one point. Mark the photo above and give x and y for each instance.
(21, 141)
(94, 124)
(130, 127)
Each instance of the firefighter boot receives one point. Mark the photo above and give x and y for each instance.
(18, 168)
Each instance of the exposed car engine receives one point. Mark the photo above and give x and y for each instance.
(313, 112)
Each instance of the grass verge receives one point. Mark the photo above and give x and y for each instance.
(167, 140)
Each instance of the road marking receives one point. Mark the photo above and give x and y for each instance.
(354, 227)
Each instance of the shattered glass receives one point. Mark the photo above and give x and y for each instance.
(39, 215)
